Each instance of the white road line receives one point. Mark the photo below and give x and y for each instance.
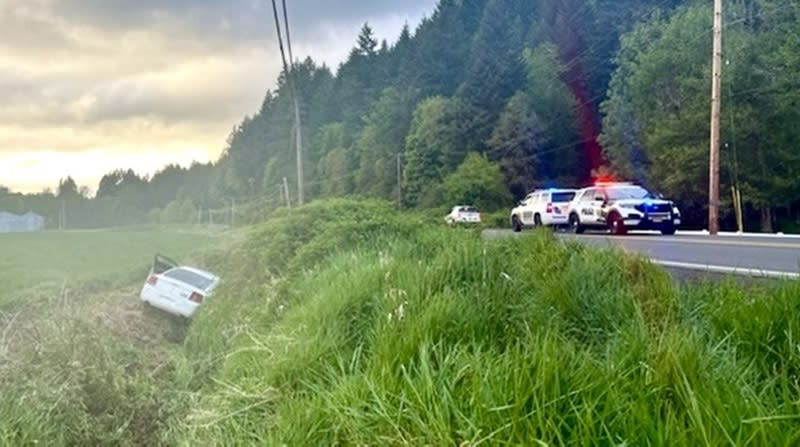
(728, 242)
(734, 234)
(756, 273)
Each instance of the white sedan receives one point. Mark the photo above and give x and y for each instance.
(178, 290)
(463, 214)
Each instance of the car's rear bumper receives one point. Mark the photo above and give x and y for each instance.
(555, 219)
(651, 224)
(184, 309)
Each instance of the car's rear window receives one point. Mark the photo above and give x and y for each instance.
(189, 277)
(559, 197)
(469, 209)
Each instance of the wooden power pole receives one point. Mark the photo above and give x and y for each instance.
(286, 191)
(716, 102)
(289, 70)
(399, 181)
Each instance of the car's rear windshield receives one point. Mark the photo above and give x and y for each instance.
(560, 197)
(469, 209)
(189, 277)
(630, 192)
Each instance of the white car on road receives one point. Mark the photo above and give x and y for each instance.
(544, 207)
(463, 214)
(620, 207)
(175, 289)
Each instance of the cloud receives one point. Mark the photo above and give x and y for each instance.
(122, 77)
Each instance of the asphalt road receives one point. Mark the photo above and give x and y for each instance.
(757, 256)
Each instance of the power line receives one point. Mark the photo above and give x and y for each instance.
(288, 34)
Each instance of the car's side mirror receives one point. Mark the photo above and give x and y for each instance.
(599, 199)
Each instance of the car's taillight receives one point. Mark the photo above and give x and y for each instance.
(196, 297)
(549, 208)
(152, 280)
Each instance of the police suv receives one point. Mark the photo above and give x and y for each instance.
(544, 207)
(619, 207)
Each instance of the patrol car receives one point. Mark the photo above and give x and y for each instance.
(620, 207)
(544, 207)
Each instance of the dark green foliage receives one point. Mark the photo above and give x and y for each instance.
(516, 142)
(441, 48)
(433, 147)
(495, 70)
(382, 140)
(477, 182)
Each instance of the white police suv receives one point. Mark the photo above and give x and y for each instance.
(544, 207)
(620, 207)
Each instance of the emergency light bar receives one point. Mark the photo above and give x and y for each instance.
(612, 183)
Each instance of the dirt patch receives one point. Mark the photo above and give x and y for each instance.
(117, 313)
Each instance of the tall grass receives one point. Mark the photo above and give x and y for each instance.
(348, 323)
(81, 363)
(437, 337)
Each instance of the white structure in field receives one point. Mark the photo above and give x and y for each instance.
(12, 223)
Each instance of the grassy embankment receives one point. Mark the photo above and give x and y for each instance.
(344, 323)
(433, 336)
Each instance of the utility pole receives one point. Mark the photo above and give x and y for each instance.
(290, 82)
(716, 100)
(399, 182)
(286, 191)
(233, 211)
(298, 137)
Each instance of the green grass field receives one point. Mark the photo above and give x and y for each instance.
(34, 266)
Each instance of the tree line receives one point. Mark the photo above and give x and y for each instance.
(488, 99)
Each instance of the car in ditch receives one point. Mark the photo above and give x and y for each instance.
(177, 289)
(544, 207)
(620, 207)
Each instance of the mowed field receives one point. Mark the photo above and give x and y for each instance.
(39, 266)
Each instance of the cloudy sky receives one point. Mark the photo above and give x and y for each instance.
(89, 86)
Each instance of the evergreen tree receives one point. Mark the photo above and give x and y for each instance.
(515, 144)
(441, 48)
(495, 70)
(366, 43)
(434, 146)
(382, 140)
